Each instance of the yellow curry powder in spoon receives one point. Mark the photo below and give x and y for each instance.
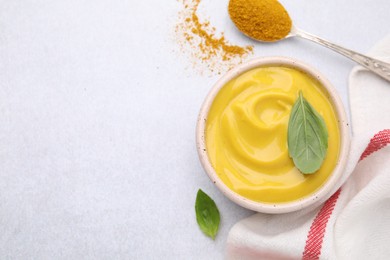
(264, 20)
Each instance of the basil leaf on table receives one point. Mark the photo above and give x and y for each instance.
(307, 136)
(207, 214)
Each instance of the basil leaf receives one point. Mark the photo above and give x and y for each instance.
(207, 214)
(307, 136)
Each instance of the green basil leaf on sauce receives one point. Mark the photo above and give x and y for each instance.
(207, 214)
(307, 136)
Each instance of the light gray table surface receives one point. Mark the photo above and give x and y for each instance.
(97, 122)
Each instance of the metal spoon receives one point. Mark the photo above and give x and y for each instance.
(379, 67)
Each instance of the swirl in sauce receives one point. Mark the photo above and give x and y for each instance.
(246, 134)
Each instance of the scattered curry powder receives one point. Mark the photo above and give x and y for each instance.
(264, 20)
(200, 39)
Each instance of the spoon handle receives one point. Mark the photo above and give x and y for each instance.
(379, 67)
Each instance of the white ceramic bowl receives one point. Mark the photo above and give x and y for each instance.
(325, 190)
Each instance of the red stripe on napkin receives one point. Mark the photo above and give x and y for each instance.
(316, 233)
(317, 229)
(379, 141)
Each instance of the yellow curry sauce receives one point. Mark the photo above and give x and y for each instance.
(246, 134)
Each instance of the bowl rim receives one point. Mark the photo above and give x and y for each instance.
(324, 192)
